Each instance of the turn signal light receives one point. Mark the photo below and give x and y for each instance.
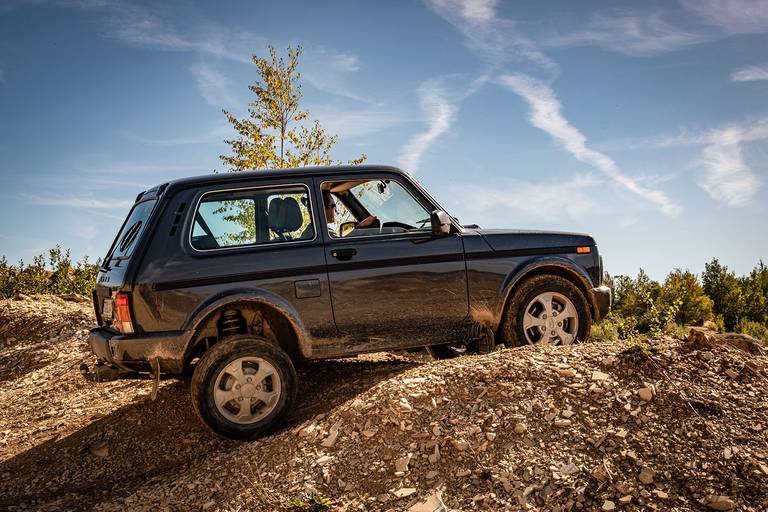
(583, 250)
(123, 313)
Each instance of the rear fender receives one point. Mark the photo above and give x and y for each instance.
(260, 296)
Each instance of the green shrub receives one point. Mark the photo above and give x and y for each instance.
(754, 329)
(55, 275)
(313, 502)
(683, 293)
(605, 330)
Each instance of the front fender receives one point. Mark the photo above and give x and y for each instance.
(536, 266)
(253, 295)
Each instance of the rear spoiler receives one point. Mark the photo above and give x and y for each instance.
(152, 193)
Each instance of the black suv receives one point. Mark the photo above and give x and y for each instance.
(234, 277)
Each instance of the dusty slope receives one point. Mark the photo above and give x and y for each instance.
(533, 428)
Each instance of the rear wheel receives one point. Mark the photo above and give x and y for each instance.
(547, 309)
(243, 386)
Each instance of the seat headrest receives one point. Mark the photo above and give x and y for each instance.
(284, 215)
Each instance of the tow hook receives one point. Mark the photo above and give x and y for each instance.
(155, 373)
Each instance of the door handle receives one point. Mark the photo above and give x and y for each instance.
(343, 254)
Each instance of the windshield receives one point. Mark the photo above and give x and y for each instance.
(371, 207)
(132, 229)
(390, 202)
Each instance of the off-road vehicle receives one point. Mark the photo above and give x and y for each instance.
(233, 278)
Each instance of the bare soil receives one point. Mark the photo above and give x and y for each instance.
(596, 426)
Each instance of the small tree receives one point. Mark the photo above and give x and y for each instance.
(682, 288)
(723, 287)
(631, 295)
(754, 295)
(275, 133)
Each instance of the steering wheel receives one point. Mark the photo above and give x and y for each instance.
(395, 224)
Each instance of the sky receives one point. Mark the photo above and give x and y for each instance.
(644, 124)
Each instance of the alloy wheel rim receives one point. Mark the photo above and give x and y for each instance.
(551, 318)
(247, 389)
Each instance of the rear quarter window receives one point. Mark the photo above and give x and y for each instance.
(131, 231)
(252, 216)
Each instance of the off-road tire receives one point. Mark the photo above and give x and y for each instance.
(512, 330)
(213, 362)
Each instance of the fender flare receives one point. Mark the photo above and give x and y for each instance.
(533, 267)
(240, 295)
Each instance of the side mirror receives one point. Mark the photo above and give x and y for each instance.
(346, 227)
(441, 223)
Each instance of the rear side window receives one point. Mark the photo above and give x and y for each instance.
(252, 216)
(132, 229)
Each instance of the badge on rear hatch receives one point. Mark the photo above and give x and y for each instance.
(106, 308)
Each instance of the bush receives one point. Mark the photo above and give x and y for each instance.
(683, 293)
(754, 329)
(606, 330)
(55, 275)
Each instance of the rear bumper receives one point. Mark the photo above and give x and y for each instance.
(601, 299)
(133, 352)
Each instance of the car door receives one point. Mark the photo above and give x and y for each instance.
(392, 287)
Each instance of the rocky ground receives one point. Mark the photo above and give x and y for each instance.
(589, 427)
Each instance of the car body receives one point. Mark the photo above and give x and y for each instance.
(179, 278)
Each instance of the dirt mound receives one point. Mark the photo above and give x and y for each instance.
(33, 331)
(31, 319)
(588, 427)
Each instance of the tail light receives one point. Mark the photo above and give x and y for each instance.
(124, 322)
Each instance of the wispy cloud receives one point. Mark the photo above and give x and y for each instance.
(137, 26)
(479, 10)
(727, 177)
(478, 200)
(545, 115)
(439, 105)
(628, 32)
(214, 86)
(732, 16)
(215, 136)
(344, 62)
(75, 201)
(350, 123)
(329, 71)
(493, 38)
(750, 74)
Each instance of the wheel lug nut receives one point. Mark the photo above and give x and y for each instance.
(544, 316)
(248, 379)
(553, 333)
(237, 387)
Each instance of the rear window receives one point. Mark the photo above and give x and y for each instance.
(252, 216)
(132, 229)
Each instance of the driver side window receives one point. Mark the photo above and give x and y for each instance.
(369, 207)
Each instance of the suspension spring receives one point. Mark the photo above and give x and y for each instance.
(231, 322)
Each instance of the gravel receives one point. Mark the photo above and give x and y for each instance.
(595, 426)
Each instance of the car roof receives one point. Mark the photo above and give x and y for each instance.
(229, 177)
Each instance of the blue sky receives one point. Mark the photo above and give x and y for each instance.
(645, 124)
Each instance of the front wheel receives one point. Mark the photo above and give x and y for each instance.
(547, 309)
(243, 386)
